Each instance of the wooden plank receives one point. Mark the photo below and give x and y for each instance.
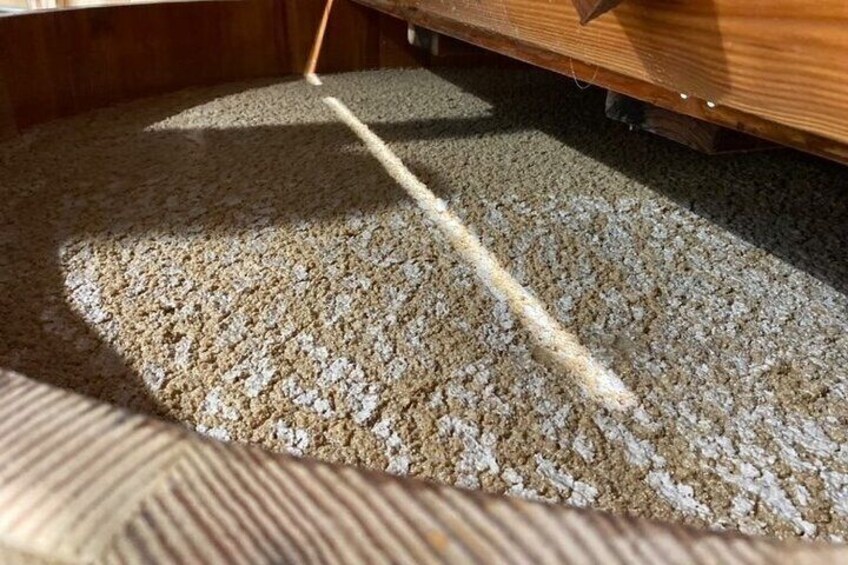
(126, 477)
(702, 136)
(777, 68)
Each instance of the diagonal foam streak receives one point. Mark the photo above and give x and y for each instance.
(561, 349)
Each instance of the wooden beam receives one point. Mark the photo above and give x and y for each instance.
(697, 134)
(588, 10)
(744, 77)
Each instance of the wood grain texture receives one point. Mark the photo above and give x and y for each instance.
(778, 69)
(59, 63)
(83, 482)
(68, 61)
(644, 90)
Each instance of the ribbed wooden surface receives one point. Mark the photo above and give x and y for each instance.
(85, 482)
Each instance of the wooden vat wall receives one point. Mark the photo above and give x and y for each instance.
(775, 68)
(7, 117)
(58, 63)
(238, 504)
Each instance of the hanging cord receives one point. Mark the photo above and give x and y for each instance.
(584, 86)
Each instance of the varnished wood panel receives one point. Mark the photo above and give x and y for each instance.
(648, 90)
(131, 489)
(61, 62)
(783, 61)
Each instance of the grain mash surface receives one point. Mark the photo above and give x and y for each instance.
(235, 259)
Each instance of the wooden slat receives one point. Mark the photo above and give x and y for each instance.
(82, 482)
(776, 68)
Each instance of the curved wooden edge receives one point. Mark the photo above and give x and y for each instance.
(81, 481)
(614, 81)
